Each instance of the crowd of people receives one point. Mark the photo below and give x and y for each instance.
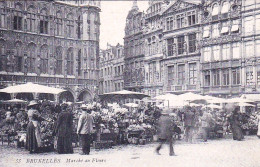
(59, 126)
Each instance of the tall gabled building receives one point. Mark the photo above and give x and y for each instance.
(134, 50)
(181, 34)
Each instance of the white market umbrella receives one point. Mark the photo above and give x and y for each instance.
(239, 100)
(246, 105)
(253, 97)
(32, 88)
(16, 101)
(194, 105)
(123, 94)
(191, 97)
(212, 99)
(213, 106)
(167, 96)
(134, 105)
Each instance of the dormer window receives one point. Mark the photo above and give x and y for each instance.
(224, 10)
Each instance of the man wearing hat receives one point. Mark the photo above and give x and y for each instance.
(85, 128)
(166, 126)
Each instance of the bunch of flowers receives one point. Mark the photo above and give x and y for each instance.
(135, 128)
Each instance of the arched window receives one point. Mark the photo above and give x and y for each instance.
(44, 59)
(59, 60)
(70, 61)
(70, 25)
(78, 28)
(215, 10)
(59, 24)
(18, 57)
(44, 23)
(79, 62)
(225, 8)
(31, 51)
(31, 19)
(18, 17)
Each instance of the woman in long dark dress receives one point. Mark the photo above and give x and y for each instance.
(33, 135)
(64, 131)
(234, 120)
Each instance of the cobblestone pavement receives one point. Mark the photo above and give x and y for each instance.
(214, 153)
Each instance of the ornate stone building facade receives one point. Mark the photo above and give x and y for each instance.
(111, 69)
(222, 54)
(153, 35)
(250, 62)
(54, 43)
(181, 61)
(134, 50)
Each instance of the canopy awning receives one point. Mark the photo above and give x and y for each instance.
(206, 34)
(253, 97)
(224, 30)
(234, 28)
(32, 88)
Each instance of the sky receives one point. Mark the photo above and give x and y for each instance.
(113, 18)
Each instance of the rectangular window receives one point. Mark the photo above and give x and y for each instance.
(43, 27)
(17, 23)
(225, 77)
(181, 74)
(216, 78)
(257, 54)
(207, 78)
(2, 20)
(170, 43)
(192, 18)
(192, 43)
(249, 22)
(235, 26)
(225, 52)
(169, 23)
(206, 32)
(236, 76)
(224, 30)
(180, 45)
(207, 54)
(215, 30)
(19, 63)
(257, 23)
(216, 53)
(249, 76)
(249, 48)
(236, 50)
(192, 73)
(258, 75)
(180, 21)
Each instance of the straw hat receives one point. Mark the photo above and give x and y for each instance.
(84, 107)
(32, 103)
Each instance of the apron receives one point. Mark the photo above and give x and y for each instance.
(37, 133)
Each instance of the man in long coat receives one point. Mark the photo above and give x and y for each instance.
(166, 129)
(64, 130)
(85, 128)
